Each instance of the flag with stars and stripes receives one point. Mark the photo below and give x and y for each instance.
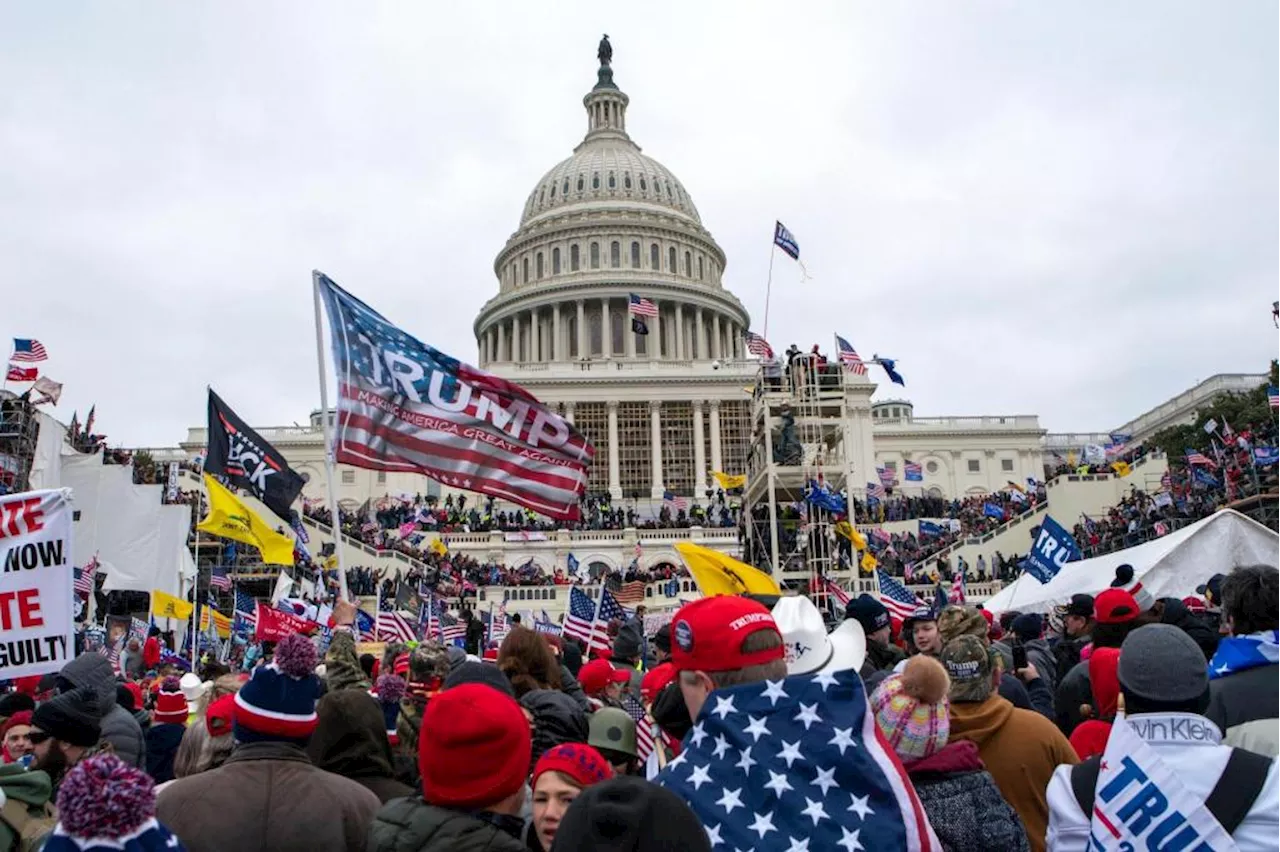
(246, 613)
(838, 594)
(393, 627)
(849, 357)
(897, 598)
(673, 502)
(876, 490)
(218, 578)
(757, 345)
(1195, 457)
(408, 407)
(85, 578)
(580, 618)
(796, 765)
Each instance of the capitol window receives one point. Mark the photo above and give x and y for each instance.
(613, 182)
(635, 255)
(932, 467)
(974, 466)
(626, 180)
(654, 256)
(382, 477)
(644, 187)
(688, 265)
(555, 261)
(595, 255)
(1006, 465)
(580, 183)
(615, 254)
(699, 267)
(553, 192)
(538, 265)
(526, 271)
(348, 477)
(617, 332)
(573, 258)
(542, 195)
(595, 180)
(565, 191)
(671, 260)
(596, 332)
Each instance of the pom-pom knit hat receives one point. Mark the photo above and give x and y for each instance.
(912, 708)
(171, 704)
(390, 689)
(104, 804)
(279, 701)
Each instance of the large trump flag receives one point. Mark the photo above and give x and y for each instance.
(406, 406)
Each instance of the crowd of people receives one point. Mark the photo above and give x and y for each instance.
(742, 724)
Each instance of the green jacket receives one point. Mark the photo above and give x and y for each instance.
(32, 788)
(342, 666)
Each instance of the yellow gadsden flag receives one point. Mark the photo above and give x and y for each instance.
(221, 623)
(165, 605)
(438, 547)
(868, 563)
(230, 518)
(728, 481)
(1122, 469)
(846, 529)
(718, 574)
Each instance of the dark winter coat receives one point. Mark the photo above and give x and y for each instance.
(1245, 706)
(268, 796)
(1177, 614)
(351, 741)
(557, 719)
(569, 686)
(162, 746)
(118, 725)
(1066, 653)
(1073, 691)
(411, 825)
(963, 804)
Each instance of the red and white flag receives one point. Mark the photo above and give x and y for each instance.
(22, 374)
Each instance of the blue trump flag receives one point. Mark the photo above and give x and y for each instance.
(930, 529)
(890, 370)
(821, 497)
(802, 760)
(783, 239)
(991, 510)
(1054, 548)
(1266, 456)
(1204, 477)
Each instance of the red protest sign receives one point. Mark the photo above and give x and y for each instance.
(274, 625)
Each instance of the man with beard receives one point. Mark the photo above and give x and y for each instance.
(64, 730)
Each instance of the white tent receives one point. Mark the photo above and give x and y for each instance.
(1169, 566)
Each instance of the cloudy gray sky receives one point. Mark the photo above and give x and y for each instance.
(1067, 209)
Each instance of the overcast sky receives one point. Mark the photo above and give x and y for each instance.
(1063, 209)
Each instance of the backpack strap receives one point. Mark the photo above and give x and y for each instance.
(1241, 781)
(1084, 778)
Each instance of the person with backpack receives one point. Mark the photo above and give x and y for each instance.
(1165, 686)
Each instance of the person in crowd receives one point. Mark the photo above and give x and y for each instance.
(555, 718)
(207, 743)
(26, 797)
(15, 702)
(425, 668)
(661, 645)
(131, 663)
(151, 649)
(1173, 611)
(1166, 690)
(302, 807)
(1024, 688)
(118, 726)
(473, 758)
(1090, 736)
(1020, 748)
(1028, 631)
(15, 737)
(628, 648)
(1210, 592)
(129, 696)
(168, 726)
(882, 655)
(1077, 627)
(474, 672)
(342, 668)
(1116, 613)
(194, 690)
(568, 682)
(64, 730)
(351, 740)
(964, 805)
(475, 632)
(1244, 675)
(1127, 580)
(105, 804)
(612, 732)
(603, 684)
(561, 774)
(630, 815)
(922, 628)
(528, 661)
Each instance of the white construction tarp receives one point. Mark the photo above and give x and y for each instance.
(1169, 566)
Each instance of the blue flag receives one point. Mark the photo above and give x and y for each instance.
(889, 365)
(928, 529)
(1204, 477)
(1266, 456)
(802, 760)
(821, 497)
(783, 239)
(991, 510)
(1054, 548)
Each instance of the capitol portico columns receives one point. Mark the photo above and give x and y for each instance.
(557, 344)
(582, 328)
(615, 478)
(701, 332)
(715, 435)
(515, 338)
(502, 339)
(655, 446)
(606, 328)
(699, 451)
(717, 350)
(680, 355)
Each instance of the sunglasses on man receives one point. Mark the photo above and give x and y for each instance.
(37, 737)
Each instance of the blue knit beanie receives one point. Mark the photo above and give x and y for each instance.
(279, 701)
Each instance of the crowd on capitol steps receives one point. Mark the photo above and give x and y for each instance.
(1116, 721)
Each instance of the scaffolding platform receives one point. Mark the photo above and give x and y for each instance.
(19, 431)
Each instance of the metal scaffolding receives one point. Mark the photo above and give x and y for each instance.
(19, 430)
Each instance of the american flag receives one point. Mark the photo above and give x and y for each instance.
(886, 476)
(447, 420)
(218, 578)
(840, 595)
(1273, 396)
(803, 760)
(28, 349)
(451, 627)
(365, 626)
(957, 589)
(581, 616)
(757, 345)
(876, 490)
(849, 356)
(499, 624)
(246, 613)
(897, 598)
(1194, 457)
(609, 610)
(677, 504)
(392, 627)
(630, 594)
(642, 307)
(912, 471)
(85, 578)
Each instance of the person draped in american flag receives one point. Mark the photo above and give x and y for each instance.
(778, 762)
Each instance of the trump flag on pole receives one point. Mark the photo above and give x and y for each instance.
(406, 406)
(1054, 548)
(35, 583)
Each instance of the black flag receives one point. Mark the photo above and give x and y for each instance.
(239, 454)
(638, 325)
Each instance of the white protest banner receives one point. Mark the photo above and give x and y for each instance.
(171, 488)
(1139, 803)
(36, 582)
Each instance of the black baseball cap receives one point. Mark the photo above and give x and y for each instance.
(1212, 590)
(1081, 605)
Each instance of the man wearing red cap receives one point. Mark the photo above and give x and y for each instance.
(1116, 614)
(473, 755)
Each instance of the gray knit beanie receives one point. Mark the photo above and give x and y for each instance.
(1160, 662)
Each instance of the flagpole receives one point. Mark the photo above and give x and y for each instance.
(768, 287)
(335, 527)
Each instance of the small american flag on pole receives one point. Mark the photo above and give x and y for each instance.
(840, 595)
(581, 616)
(218, 578)
(757, 345)
(677, 504)
(849, 357)
(28, 349)
(1194, 457)
(876, 490)
(85, 578)
(957, 589)
(642, 307)
(897, 598)
(1273, 396)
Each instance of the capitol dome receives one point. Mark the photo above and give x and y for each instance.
(603, 227)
